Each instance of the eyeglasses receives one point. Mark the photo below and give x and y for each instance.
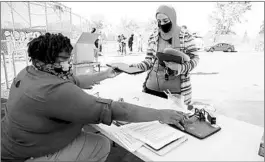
(203, 115)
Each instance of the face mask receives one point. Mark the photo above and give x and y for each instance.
(166, 27)
(65, 65)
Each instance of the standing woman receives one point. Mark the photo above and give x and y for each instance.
(168, 35)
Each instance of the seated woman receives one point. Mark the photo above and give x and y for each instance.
(47, 109)
(173, 77)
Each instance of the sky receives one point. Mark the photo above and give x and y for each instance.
(192, 14)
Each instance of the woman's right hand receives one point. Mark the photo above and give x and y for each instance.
(177, 118)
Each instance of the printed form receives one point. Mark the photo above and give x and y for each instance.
(155, 134)
(124, 137)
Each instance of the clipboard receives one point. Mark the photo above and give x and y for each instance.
(122, 67)
(168, 58)
(199, 129)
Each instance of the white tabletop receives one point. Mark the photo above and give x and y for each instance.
(237, 140)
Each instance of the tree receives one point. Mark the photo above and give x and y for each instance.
(226, 15)
(132, 26)
(98, 24)
(58, 9)
(98, 21)
(128, 26)
(151, 25)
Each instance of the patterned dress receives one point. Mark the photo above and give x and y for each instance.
(188, 46)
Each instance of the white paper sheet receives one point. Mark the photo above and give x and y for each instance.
(154, 133)
(124, 137)
(130, 143)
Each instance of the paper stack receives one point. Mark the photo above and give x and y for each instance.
(154, 134)
(127, 140)
(123, 137)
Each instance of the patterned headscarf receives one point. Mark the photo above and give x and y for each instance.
(54, 69)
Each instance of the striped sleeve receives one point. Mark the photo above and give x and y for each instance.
(150, 54)
(188, 42)
(145, 65)
(191, 48)
(190, 65)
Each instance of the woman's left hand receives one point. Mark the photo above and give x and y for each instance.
(173, 66)
(111, 73)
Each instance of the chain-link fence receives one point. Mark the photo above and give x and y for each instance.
(23, 21)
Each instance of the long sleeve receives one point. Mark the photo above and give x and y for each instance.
(150, 54)
(146, 64)
(70, 103)
(87, 80)
(190, 65)
(190, 49)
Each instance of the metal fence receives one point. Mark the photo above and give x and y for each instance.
(23, 21)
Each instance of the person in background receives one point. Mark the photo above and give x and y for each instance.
(174, 77)
(119, 44)
(93, 30)
(123, 44)
(47, 109)
(96, 50)
(100, 43)
(96, 41)
(140, 43)
(130, 43)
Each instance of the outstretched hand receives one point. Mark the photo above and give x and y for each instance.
(179, 119)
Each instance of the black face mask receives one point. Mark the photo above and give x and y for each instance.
(166, 27)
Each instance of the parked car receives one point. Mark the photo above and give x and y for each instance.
(225, 47)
